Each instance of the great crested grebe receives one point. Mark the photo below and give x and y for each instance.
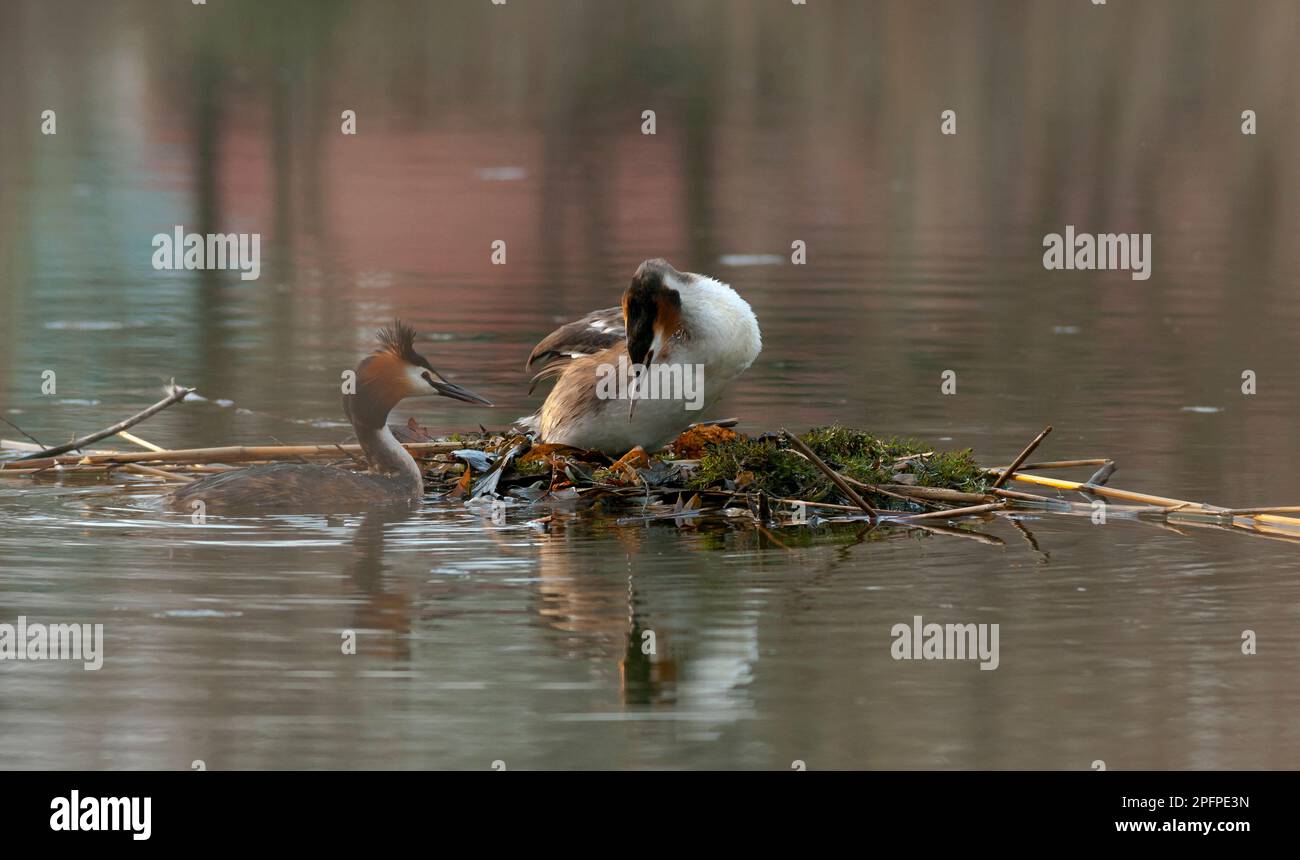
(671, 326)
(392, 373)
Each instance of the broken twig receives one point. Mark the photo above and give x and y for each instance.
(1024, 455)
(175, 394)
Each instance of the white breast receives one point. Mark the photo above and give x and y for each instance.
(722, 333)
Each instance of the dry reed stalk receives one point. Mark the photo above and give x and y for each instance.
(157, 473)
(827, 505)
(1180, 505)
(176, 393)
(1024, 455)
(955, 512)
(939, 494)
(1058, 464)
(227, 454)
(1003, 492)
(876, 488)
(136, 440)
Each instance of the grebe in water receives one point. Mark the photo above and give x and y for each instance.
(689, 323)
(392, 373)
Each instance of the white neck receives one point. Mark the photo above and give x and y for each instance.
(387, 457)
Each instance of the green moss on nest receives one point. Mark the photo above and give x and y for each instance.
(773, 468)
(768, 464)
(836, 441)
(955, 470)
(531, 467)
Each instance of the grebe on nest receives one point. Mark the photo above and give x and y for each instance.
(392, 373)
(667, 318)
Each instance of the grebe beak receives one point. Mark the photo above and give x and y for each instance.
(631, 395)
(455, 392)
(442, 386)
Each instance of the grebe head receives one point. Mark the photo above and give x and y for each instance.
(652, 309)
(397, 358)
(652, 312)
(394, 372)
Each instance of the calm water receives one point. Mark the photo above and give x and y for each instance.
(775, 123)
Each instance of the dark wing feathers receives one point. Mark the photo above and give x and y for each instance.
(596, 331)
(552, 369)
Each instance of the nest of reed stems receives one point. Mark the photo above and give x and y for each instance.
(711, 476)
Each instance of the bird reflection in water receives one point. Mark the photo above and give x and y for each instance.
(600, 618)
(390, 604)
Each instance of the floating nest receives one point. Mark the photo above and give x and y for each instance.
(710, 475)
(889, 474)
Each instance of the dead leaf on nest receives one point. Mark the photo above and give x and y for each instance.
(637, 458)
(462, 486)
(545, 450)
(627, 465)
(691, 444)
